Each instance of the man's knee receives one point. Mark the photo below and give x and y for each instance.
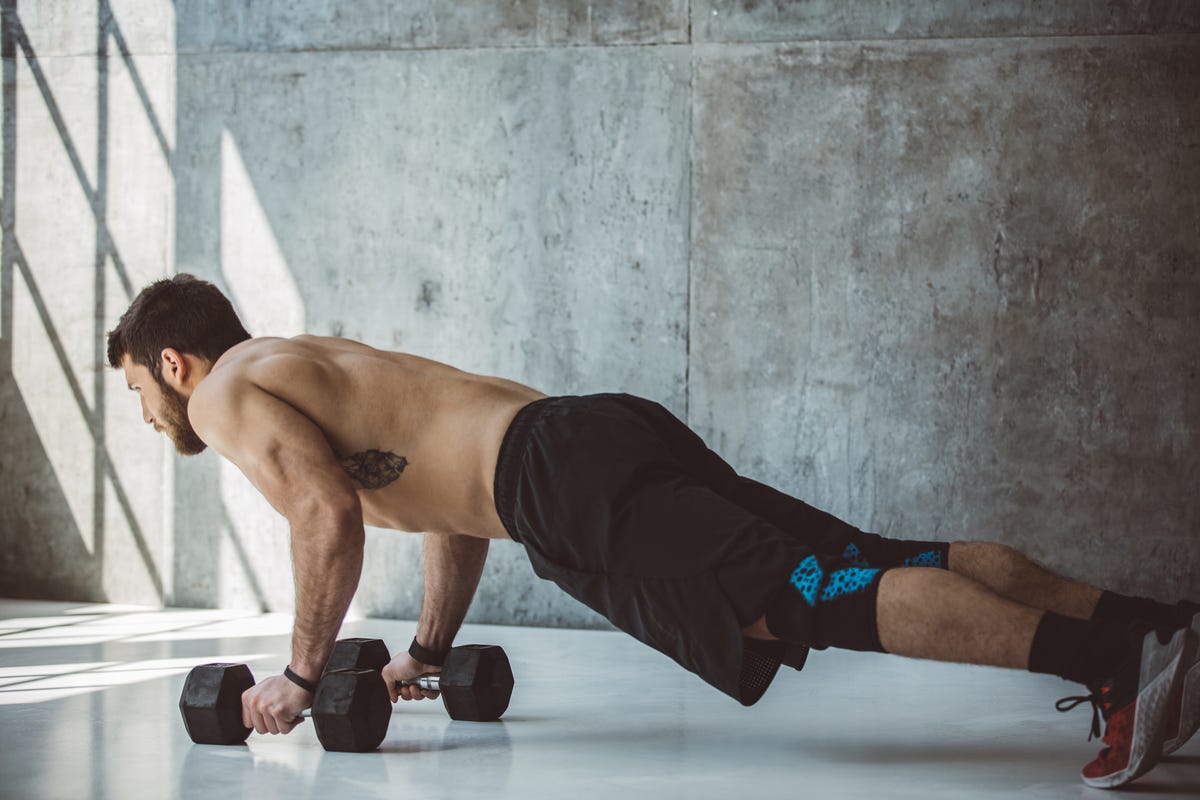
(969, 558)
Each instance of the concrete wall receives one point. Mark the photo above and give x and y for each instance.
(933, 270)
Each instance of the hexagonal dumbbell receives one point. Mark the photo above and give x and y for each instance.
(211, 703)
(351, 708)
(476, 682)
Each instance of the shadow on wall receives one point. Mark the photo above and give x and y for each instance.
(65, 565)
(229, 240)
(52, 550)
(67, 568)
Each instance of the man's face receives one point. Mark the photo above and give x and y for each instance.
(163, 407)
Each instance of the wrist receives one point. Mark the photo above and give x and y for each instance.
(425, 655)
(304, 683)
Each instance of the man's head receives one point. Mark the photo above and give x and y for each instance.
(173, 326)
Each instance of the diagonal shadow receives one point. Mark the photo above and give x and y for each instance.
(109, 23)
(92, 194)
(70, 623)
(14, 39)
(244, 559)
(89, 417)
(109, 468)
(42, 645)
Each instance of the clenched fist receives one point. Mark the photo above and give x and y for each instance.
(406, 668)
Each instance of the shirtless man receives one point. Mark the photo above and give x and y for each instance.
(625, 508)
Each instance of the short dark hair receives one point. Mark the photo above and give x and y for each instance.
(181, 312)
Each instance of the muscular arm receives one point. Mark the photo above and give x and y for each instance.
(327, 557)
(290, 462)
(452, 567)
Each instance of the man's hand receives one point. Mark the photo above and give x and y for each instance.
(405, 668)
(274, 705)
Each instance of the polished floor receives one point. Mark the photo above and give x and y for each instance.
(89, 694)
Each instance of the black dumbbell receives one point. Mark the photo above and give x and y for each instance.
(350, 708)
(476, 682)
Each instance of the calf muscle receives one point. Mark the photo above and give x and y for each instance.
(934, 614)
(1016, 577)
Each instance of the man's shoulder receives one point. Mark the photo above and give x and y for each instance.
(232, 396)
(242, 354)
(271, 365)
(216, 396)
(245, 365)
(235, 376)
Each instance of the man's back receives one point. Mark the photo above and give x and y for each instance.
(384, 414)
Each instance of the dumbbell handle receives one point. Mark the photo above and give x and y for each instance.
(430, 682)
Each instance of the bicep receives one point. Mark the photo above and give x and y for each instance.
(280, 450)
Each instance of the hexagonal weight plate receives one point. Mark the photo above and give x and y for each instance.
(476, 683)
(358, 653)
(351, 710)
(211, 703)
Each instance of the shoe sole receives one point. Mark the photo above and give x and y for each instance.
(1157, 685)
(1189, 693)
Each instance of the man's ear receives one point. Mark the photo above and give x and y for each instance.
(174, 367)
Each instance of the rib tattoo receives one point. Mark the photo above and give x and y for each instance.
(374, 469)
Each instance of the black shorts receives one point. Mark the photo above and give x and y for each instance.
(627, 510)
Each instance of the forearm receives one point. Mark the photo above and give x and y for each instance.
(452, 566)
(327, 557)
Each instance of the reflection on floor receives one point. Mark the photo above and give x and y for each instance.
(89, 693)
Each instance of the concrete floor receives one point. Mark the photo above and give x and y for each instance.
(89, 693)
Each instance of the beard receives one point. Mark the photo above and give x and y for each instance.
(175, 422)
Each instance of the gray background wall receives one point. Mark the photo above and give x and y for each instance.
(930, 266)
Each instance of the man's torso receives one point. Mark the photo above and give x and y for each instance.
(440, 428)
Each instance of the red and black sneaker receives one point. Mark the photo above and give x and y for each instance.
(1184, 717)
(1135, 703)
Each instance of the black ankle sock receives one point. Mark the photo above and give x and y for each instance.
(1083, 651)
(1120, 609)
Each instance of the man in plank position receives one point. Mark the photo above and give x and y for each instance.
(625, 508)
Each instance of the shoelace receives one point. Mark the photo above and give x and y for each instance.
(1095, 698)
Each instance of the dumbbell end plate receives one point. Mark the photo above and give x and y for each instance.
(351, 710)
(477, 683)
(211, 703)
